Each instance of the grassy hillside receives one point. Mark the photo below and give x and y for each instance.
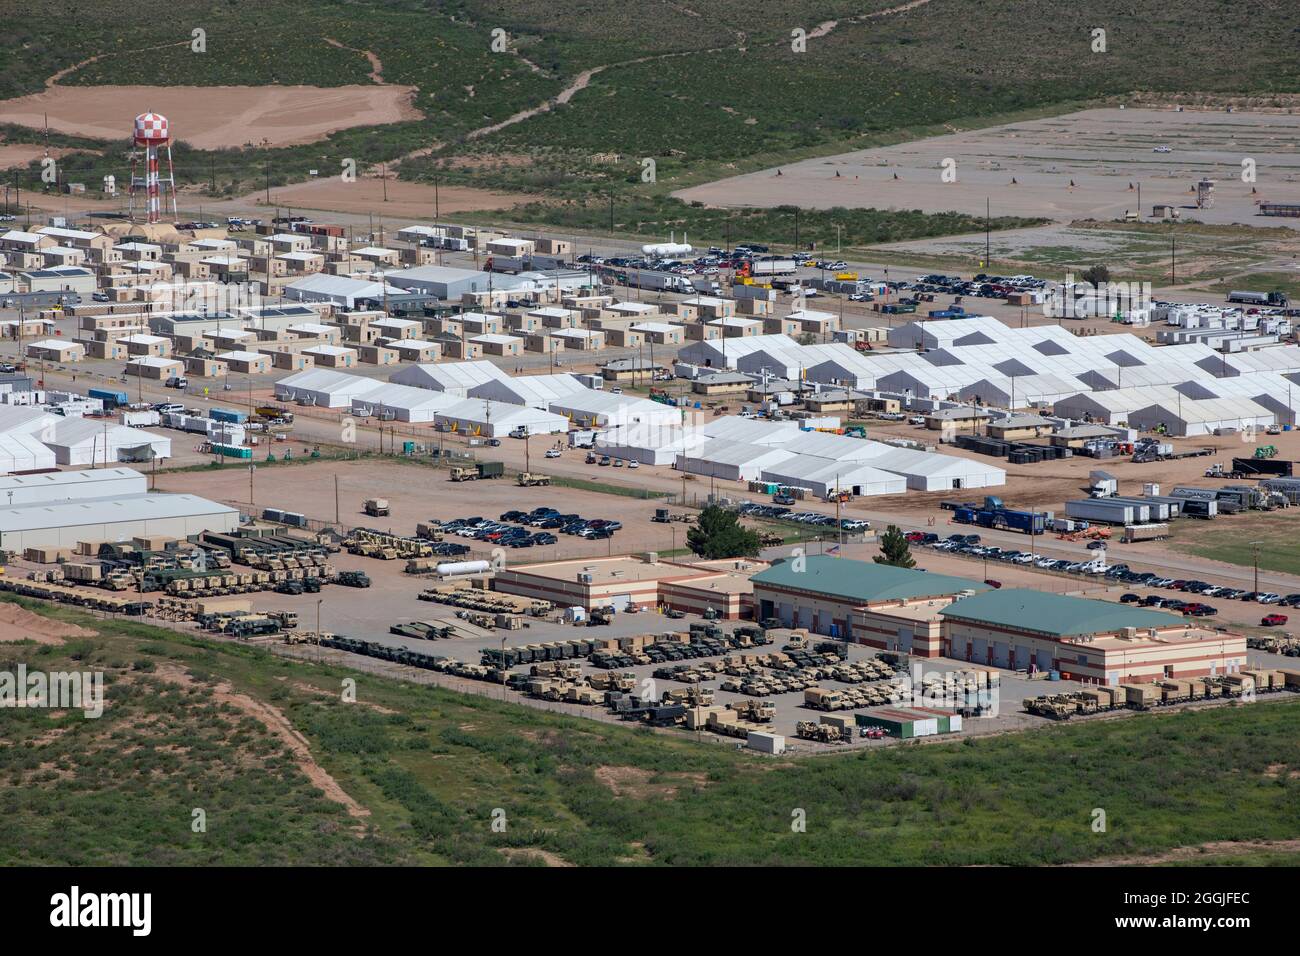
(431, 767)
(706, 88)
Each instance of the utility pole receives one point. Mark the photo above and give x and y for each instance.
(986, 233)
(268, 185)
(1173, 262)
(839, 526)
(1254, 547)
(336, 499)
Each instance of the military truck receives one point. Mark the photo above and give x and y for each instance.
(823, 698)
(755, 710)
(821, 733)
(482, 469)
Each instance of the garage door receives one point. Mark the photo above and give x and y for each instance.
(1001, 654)
(620, 601)
(979, 650)
(786, 613)
(905, 640)
(805, 618)
(1044, 660)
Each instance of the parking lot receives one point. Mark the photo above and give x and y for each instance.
(1156, 590)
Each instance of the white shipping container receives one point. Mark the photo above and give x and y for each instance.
(141, 417)
(765, 742)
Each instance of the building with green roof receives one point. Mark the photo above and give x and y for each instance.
(1056, 615)
(1084, 638)
(861, 601)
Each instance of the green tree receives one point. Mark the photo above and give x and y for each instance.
(719, 534)
(1097, 275)
(894, 549)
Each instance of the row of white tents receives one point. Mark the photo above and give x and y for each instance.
(1190, 389)
(477, 398)
(32, 439)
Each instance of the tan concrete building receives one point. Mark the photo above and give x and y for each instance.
(1083, 639)
(645, 582)
(246, 363)
(155, 367)
(860, 601)
(332, 356)
(56, 350)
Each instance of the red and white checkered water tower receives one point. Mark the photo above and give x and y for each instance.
(154, 137)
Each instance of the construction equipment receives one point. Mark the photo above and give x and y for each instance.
(531, 480)
(1266, 451)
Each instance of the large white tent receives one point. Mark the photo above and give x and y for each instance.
(731, 461)
(473, 416)
(929, 471)
(454, 378)
(592, 409)
(724, 352)
(537, 391)
(20, 452)
(648, 445)
(824, 478)
(324, 387)
(1191, 417)
(402, 403)
(87, 441)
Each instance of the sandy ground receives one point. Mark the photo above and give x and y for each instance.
(20, 154)
(405, 199)
(1102, 151)
(215, 117)
(19, 624)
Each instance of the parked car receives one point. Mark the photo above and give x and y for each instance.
(1272, 620)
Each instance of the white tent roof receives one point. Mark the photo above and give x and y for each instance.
(336, 388)
(753, 431)
(448, 376)
(481, 413)
(808, 470)
(537, 391)
(20, 452)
